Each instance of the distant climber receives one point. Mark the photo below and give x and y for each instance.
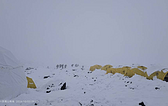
(57, 66)
(65, 65)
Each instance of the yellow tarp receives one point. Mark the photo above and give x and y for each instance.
(31, 83)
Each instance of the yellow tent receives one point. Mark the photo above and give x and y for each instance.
(109, 70)
(117, 70)
(166, 77)
(160, 75)
(106, 67)
(146, 75)
(142, 67)
(139, 72)
(92, 68)
(127, 67)
(31, 83)
(129, 73)
(121, 70)
(126, 71)
(153, 74)
(98, 66)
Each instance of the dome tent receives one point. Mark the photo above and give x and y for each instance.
(12, 77)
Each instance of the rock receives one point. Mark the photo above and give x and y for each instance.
(131, 88)
(64, 86)
(46, 76)
(157, 88)
(80, 104)
(142, 104)
(76, 65)
(76, 76)
(73, 69)
(29, 68)
(91, 101)
(48, 91)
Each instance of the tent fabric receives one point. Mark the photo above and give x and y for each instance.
(152, 75)
(30, 83)
(142, 67)
(12, 77)
(126, 71)
(98, 66)
(121, 70)
(129, 73)
(159, 74)
(166, 77)
(127, 67)
(139, 72)
(92, 68)
(109, 70)
(106, 67)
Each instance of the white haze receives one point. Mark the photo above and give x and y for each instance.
(86, 31)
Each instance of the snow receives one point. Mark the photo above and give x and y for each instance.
(86, 88)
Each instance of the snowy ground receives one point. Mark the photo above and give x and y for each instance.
(85, 88)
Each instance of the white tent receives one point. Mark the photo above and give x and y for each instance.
(12, 78)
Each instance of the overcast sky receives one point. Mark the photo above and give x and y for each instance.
(86, 31)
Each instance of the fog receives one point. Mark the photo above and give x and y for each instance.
(86, 31)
